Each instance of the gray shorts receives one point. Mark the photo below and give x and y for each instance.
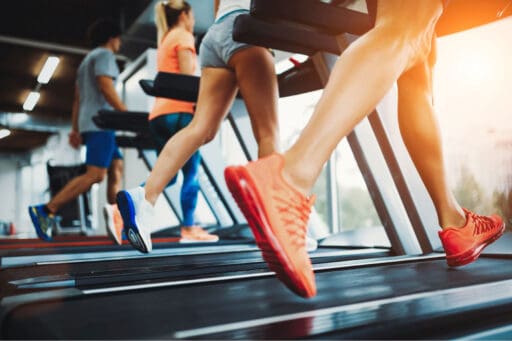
(218, 45)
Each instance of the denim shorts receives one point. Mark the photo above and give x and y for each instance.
(101, 148)
(218, 45)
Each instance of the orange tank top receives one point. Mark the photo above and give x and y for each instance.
(167, 61)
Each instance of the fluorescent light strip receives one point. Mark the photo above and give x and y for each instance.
(31, 101)
(4, 133)
(48, 70)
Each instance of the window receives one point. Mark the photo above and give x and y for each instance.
(355, 206)
(473, 104)
(294, 113)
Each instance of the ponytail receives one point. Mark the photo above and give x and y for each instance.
(167, 14)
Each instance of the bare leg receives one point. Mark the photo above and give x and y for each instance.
(255, 73)
(422, 138)
(217, 91)
(362, 76)
(115, 173)
(77, 186)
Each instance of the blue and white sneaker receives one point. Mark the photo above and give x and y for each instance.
(138, 216)
(44, 223)
(311, 244)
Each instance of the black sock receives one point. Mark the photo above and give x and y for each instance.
(47, 210)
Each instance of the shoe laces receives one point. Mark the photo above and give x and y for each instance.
(147, 215)
(48, 223)
(482, 224)
(294, 212)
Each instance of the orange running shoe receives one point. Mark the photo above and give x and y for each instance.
(277, 214)
(463, 245)
(114, 223)
(196, 234)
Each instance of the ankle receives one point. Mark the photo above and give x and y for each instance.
(301, 176)
(297, 179)
(267, 147)
(456, 219)
(50, 209)
(151, 199)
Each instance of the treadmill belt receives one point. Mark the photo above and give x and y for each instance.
(89, 275)
(170, 312)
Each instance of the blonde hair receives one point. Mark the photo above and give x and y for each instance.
(167, 14)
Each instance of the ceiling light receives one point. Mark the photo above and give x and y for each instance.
(17, 118)
(31, 101)
(4, 133)
(48, 70)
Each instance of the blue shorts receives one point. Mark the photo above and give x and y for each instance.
(101, 148)
(218, 45)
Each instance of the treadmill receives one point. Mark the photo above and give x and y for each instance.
(293, 81)
(97, 267)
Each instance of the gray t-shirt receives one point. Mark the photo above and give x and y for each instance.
(98, 62)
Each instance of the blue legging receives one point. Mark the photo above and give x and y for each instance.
(163, 128)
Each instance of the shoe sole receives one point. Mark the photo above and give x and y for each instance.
(248, 200)
(472, 254)
(191, 241)
(110, 227)
(127, 210)
(38, 229)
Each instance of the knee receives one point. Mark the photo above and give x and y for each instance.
(94, 177)
(201, 132)
(209, 138)
(116, 171)
(412, 44)
(189, 191)
(412, 34)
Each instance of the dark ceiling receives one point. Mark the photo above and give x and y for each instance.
(30, 31)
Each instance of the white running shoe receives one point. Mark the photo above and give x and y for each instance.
(114, 223)
(311, 244)
(138, 217)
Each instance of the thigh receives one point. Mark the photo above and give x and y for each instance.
(116, 167)
(255, 73)
(217, 91)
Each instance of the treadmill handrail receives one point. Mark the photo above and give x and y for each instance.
(172, 85)
(132, 121)
(147, 86)
(331, 19)
(283, 37)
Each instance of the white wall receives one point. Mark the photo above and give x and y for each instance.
(8, 198)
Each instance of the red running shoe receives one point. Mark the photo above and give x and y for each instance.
(277, 214)
(463, 245)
